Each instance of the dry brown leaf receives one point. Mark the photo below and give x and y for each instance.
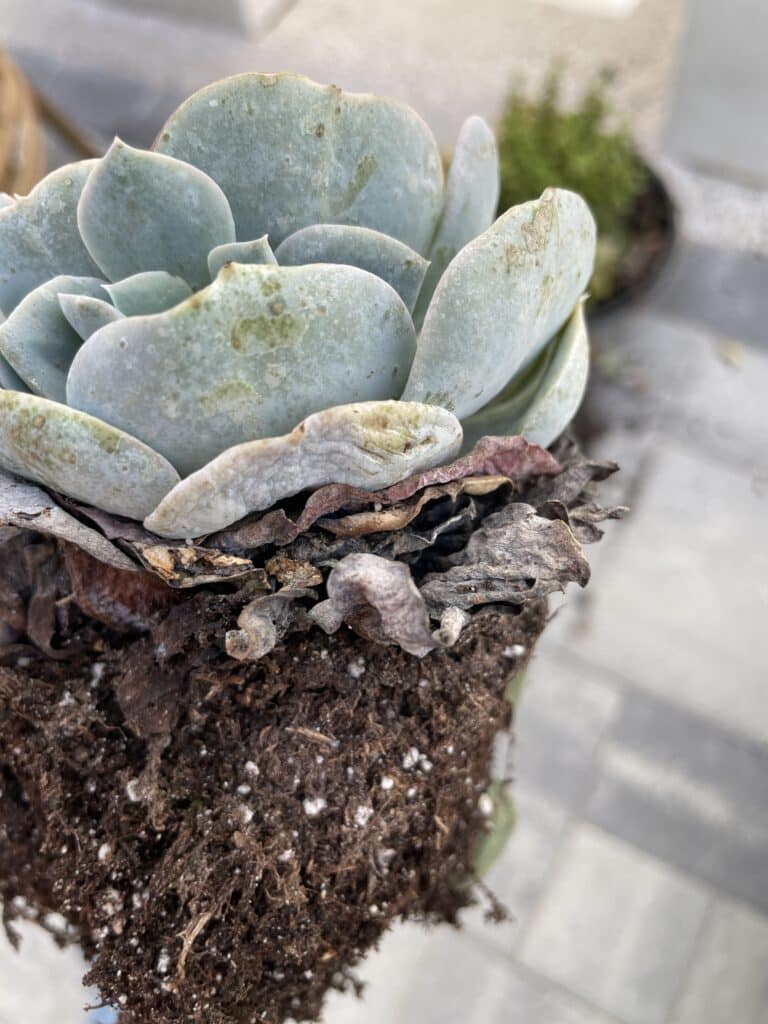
(191, 566)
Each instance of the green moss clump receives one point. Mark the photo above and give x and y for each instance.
(541, 144)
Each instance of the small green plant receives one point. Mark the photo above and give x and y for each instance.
(543, 143)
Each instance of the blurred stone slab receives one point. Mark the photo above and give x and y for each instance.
(386, 974)
(519, 876)
(616, 927)
(237, 16)
(562, 716)
(729, 980)
(119, 72)
(726, 290)
(679, 610)
(224, 14)
(459, 982)
(718, 118)
(689, 792)
(655, 372)
(41, 983)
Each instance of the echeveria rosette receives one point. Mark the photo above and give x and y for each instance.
(194, 332)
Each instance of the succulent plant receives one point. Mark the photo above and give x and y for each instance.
(194, 332)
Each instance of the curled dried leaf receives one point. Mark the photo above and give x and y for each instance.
(379, 599)
(28, 507)
(515, 556)
(189, 566)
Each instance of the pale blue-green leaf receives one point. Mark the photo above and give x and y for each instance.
(153, 291)
(257, 251)
(394, 262)
(39, 237)
(471, 198)
(499, 417)
(500, 300)
(289, 152)
(38, 341)
(370, 445)
(6, 200)
(559, 394)
(9, 378)
(80, 456)
(86, 314)
(248, 357)
(144, 211)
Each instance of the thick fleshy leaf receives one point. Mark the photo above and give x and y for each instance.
(86, 314)
(289, 152)
(80, 456)
(471, 198)
(154, 291)
(396, 263)
(257, 251)
(248, 357)
(369, 445)
(39, 237)
(9, 378)
(6, 200)
(143, 211)
(498, 417)
(38, 341)
(562, 387)
(501, 299)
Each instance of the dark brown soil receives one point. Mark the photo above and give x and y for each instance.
(301, 804)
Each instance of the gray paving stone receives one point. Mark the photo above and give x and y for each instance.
(446, 66)
(723, 289)
(561, 718)
(41, 984)
(518, 878)
(387, 974)
(652, 372)
(717, 114)
(689, 792)
(616, 927)
(729, 980)
(459, 982)
(679, 609)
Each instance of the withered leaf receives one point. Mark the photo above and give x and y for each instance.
(515, 555)
(292, 574)
(379, 599)
(185, 565)
(398, 516)
(261, 625)
(499, 459)
(31, 508)
(121, 600)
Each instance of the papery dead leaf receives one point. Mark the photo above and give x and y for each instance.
(379, 599)
(191, 566)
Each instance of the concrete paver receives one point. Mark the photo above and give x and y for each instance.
(616, 927)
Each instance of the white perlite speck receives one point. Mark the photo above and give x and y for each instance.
(411, 759)
(315, 806)
(515, 651)
(105, 851)
(356, 668)
(387, 782)
(485, 805)
(363, 815)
